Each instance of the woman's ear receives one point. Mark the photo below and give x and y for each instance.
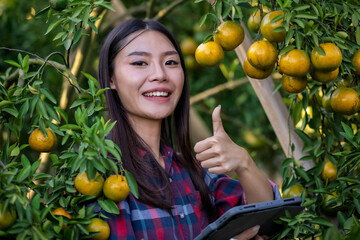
(112, 84)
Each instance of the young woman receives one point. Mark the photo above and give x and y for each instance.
(180, 192)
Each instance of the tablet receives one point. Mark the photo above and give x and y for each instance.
(240, 218)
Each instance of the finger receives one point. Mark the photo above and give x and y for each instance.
(204, 145)
(205, 154)
(248, 233)
(257, 237)
(217, 123)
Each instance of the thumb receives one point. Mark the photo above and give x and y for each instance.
(217, 123)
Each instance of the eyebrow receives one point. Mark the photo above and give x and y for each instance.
(140, 53)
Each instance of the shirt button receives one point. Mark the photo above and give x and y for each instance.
(182, 215)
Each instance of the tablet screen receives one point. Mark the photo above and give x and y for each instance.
(240, 218)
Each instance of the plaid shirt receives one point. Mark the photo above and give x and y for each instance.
(141, 221)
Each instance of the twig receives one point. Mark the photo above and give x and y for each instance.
(150, 8)
(212, 91)
(168, 9)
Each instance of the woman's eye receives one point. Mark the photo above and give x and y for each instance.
(139, 63)
(171, 62)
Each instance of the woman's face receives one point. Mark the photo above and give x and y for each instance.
(148, 76)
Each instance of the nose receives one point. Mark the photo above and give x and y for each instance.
(157, 72)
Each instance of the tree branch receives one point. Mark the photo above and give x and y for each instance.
(168, 9)
(212, 91)
(150, 8)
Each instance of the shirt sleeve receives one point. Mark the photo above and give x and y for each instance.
(227, 192)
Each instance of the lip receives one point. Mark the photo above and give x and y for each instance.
(158, 98)
(160, 89)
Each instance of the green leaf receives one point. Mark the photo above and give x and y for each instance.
(67, 44)
(86, 17)
(78, 102)
(109, 206)
(24, 109)
(48, 95)
(322, 221)
(23, 174)
(25, 64)
(35, 202)
(53, 25)
(302, 174)
(77, 35)
(286, 49)
(132, 184)
(12, 62)
(357, 35)
(41, 107)
(306, 16)
(348, 131)
(301, 8)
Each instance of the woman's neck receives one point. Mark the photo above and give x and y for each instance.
(150, 131)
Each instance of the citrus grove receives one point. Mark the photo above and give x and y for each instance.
(312, 52)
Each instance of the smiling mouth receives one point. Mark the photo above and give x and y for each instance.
(156, 94)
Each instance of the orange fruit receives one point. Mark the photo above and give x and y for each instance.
(293, 191)
(8, 219)
(209, 54)
(267, 28)
(190, 62)
(345, 100)
(86, 187)
(332, 59)
(229, 35)
(262, 54)
(355, 60)
(256, 72)
(329, 171)
(295, 63)
(116, 188)
(254, 21)
(324, 76)
(40, 143)
(330, 205)
(188, 46)
(61, 212)
(100, 226)
(293, 84)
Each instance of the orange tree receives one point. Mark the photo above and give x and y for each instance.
(320, 85)
(48, 205)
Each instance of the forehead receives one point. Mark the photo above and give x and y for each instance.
(147, 41)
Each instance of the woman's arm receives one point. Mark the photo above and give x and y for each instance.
(221, 155)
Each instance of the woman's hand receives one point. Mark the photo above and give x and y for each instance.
(219, 154)
(249, 234)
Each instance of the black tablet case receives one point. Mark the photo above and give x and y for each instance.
(240, 218)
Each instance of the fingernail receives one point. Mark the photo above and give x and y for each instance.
(256, 228)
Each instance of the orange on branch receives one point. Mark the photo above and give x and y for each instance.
(62, 212)
(267, 28)
(116, 188)
(329, 172)
(293, 84)
(85, 187)
(326, 103)
(188, 46)
(254, 21)
(355, 60)
(209, 54)
(8, 219)
(332, 59)
(262, 54)
(294, 63)
(345, 100)
(100, 226)
(324, 76)
(229, 35)
(58, 4)
(40, 143)
(293, 191)
(256, 72)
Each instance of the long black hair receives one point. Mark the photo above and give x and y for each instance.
(174, 130)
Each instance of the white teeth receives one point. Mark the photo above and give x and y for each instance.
(156, 94)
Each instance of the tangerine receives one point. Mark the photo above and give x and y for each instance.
(262, 55)
(355, 60)
(326, 103)
(345, 100)
(116, 188)
(209, 54)
(8, 219)
(324, 76)
(40, 143)
(62, 212)
(86, 187)
(188, 46)
(256, 72)
(58, 4)
(293, 84)
(100, 226)
(293, 191)
(254, 21)
(267, 27)
(294, 63)
(332, 59)
(329, 171)
(229, 35)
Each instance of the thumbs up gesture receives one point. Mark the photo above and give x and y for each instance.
(218, 153)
